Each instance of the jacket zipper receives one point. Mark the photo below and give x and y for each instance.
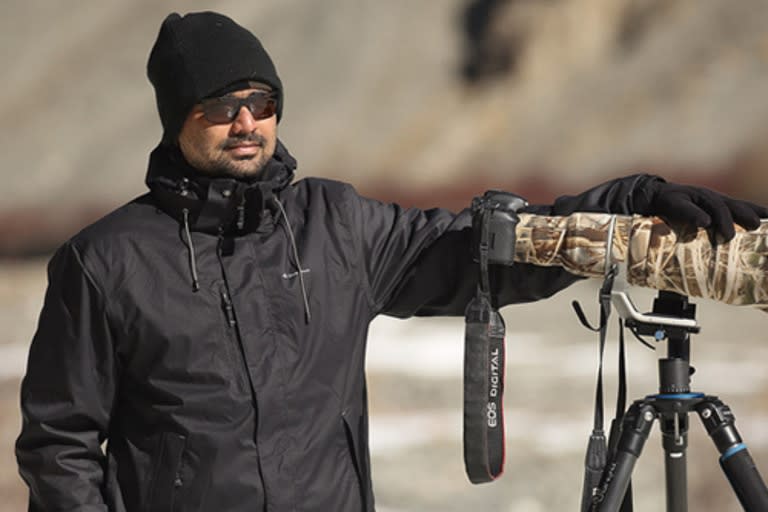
(228, 309)
(178, 483)
(243, 376)
(238, 362)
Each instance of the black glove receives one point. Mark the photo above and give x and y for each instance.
(697, 207)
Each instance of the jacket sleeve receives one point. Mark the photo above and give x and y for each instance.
(419, 262)
(67, 393)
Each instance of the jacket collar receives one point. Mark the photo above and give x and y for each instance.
(217, 205)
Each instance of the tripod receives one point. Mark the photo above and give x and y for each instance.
(673, 318)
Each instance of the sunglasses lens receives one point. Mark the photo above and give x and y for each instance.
(220, 111)
(261, 106)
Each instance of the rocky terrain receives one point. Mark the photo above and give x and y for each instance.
(423, 102)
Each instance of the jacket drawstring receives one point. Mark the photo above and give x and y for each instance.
(296, 257)
(191, 247)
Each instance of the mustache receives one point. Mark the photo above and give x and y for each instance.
(247, 138)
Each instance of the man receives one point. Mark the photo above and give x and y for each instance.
(213, 331)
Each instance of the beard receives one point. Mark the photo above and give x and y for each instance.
(224, 164)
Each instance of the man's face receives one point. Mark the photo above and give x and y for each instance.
(239, 148)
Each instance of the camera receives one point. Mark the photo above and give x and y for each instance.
(494, 219)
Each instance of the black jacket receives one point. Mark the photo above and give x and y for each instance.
(176, 330)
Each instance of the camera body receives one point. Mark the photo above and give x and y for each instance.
(494, 219)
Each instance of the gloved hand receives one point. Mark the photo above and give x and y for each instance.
(697, 207)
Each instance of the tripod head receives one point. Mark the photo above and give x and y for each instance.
(672, 315)
(673, 318)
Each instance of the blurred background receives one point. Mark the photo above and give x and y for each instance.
(424, 103)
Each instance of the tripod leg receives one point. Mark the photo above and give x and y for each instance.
(616, 476)
(674, 430)
(735, 460)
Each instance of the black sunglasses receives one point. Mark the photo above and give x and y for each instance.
(224, 109)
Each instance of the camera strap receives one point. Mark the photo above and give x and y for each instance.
(483, 377)
(598, 449)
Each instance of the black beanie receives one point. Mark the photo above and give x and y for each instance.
(199, 54)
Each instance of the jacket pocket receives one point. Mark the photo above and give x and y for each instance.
(358, 445)
(166, 482)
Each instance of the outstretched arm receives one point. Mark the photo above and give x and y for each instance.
(419, 262)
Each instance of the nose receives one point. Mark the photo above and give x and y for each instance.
(243, 122)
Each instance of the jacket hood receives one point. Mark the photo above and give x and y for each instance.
(216, 205)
